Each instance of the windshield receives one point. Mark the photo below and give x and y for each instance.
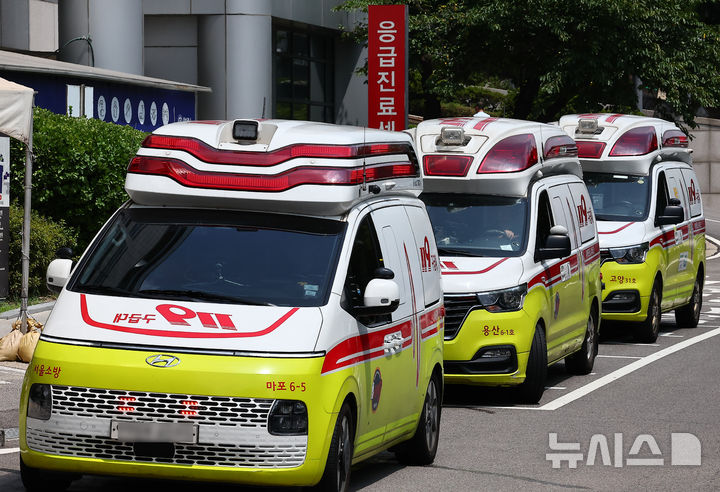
(477, 225)
(619, 197)
(214, 256)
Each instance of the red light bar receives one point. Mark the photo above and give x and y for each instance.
(127, 399)
(190, 403)
(590, 150)
(447, 165)
(560, 146)
(638, 141)
(206, 153)
(188, 413)
(675, 138)
(511, 154)
(126, 409)
(188, 176)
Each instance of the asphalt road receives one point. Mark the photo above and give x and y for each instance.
(644, 410)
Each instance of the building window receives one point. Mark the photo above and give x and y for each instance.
(304, 74)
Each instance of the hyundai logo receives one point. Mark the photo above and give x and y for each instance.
(162, 360)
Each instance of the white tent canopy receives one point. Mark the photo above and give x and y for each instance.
(15, 110)
(16, 120)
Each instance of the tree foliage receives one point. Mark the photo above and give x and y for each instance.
(579, 56)
(78, 169)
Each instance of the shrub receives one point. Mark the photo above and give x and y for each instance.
(46, 236)
(78, 170)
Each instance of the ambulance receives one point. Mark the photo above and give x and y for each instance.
(265, 309)
(639, 173)
(519, 252)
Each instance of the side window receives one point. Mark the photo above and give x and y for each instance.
(365, 258)
(676, 188)
(544, 220)
(661, 198)
(693, 192)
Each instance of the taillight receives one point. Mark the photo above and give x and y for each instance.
(638, 141)
(590, 150)
(510, 154)
(447, 165)
(675, 138)
(206, 153)
(188, 176)
(560, 146)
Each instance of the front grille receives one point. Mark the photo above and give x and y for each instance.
(231, 431)
(159, 407)
(457, 308)
(258, 455)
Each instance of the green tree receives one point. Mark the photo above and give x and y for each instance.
(579, 56)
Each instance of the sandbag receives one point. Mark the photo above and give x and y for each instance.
(10, 343)
(27, 345)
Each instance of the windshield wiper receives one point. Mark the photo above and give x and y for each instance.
(456, 252)
(104, 290)
(198, 295)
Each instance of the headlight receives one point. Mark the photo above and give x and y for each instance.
(288, 418)
(40, 401)
(499, 301)
(631, 254)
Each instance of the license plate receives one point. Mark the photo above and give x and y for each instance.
(154, 432)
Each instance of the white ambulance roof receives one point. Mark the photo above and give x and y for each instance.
(277, 165)
(498, 156)
(621, 143)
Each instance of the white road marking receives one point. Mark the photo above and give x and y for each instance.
(624, 371)
(670, 335)
(9, 450)
(555, 387)
(4, 382)
(12, 369)
(619, 357)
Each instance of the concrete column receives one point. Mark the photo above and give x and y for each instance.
(115, 29)
(249, 66)
(211, 67)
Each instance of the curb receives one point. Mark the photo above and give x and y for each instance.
(37, 308)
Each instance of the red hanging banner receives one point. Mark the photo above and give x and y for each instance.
(387, 66)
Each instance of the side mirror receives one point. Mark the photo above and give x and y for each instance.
(673, 214)
(557, 245)
(382, 295)
(58, 273)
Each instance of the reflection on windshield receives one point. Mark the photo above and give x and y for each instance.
(618, 197)
(214, 256)
(476, 225)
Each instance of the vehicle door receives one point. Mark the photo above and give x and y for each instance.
(571, 318)
(681, 248)
(401, 387)
(377, 378)
(697, 220)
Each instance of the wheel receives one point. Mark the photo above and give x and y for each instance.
(34, 479)
(647, 331)
(336, 477)
(421, 449)
(688, 316)
(532, 389)
(582, 362)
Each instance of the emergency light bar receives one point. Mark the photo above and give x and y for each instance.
(637, 141)
(560, 146)
(184, 174)
(675, 138)
(510, 154)
(206, 153)
(590, 150)
(447, 165)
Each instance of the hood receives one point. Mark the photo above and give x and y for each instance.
(461, 275)
(619, 234)
(181, 324)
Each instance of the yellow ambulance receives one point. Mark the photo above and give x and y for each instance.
(646, 195)
(518, 249)
(265, 309)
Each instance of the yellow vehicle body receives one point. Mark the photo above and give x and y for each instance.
(83, 371)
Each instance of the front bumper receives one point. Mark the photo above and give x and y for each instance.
(627, 291)
(481, 332)
(228, 399)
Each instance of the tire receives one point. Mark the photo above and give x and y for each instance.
(648, 330)
(688, 316)
(34, 479)
(422, 448)
(532, 389)
(582, 362)
(336, 477)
